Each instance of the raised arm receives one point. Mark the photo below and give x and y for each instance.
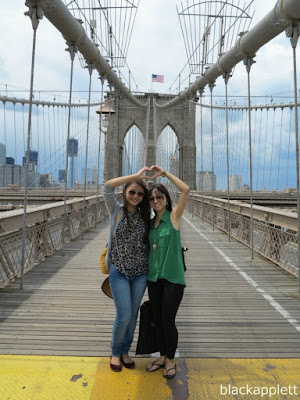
(184, 192)
(121, 180)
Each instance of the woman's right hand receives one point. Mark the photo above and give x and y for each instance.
(141, 174)
(158, 171)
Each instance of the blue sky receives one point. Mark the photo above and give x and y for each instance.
(156, 47)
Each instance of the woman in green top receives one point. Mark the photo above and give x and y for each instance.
(166, 279)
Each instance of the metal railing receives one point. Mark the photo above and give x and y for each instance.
(274, 232)
(44, 232)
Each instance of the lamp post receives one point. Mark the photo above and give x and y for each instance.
(105, 112)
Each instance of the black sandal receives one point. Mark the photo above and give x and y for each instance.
(152, 365)
(167, 376)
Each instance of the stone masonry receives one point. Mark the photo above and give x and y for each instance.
(151, 121)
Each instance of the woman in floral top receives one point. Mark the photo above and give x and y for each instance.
(127, 259)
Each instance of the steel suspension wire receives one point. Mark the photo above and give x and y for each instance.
(35, 21)
(99, 158)
(226, 76)
(201, 152)
(248, 62)
(211, 86)
(295, 32)
(15, 133)
(258, 158)
(289, 146)
(265, 152)
(272, 147)
(90, 69)
(72, 51)
(280, 139)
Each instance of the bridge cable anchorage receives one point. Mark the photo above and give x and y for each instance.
(90, 68)
(226, 76)
(293, 32)
(211, 86)
(248, 62)
(72, 49)
(35, 13)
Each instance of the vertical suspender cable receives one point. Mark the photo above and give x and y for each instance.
(280, 138)
(99, 149)
(211, 86)
(33, 13)
(201, 151)
(72, 51)
(248, 61)
(294, 32)
(90, 69)
(226, 77)
(15, 133)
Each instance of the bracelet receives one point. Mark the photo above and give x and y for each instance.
(163, 173)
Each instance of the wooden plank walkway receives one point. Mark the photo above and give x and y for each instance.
(233, 306)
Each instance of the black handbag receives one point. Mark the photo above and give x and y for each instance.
(146, 341)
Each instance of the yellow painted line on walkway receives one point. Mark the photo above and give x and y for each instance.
(89, 378)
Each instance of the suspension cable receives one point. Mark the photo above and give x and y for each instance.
(294, 32)
(201, 152)
(35, 13)
(211, 86)
(99, 150)
(248, 61)
(72, 50)
(226, 76)
(90, 69)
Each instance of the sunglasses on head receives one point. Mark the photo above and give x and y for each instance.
(139, 194)
(158, 197)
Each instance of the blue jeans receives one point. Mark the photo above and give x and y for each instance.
(127, 294)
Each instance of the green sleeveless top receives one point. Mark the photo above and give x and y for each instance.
(165, 257)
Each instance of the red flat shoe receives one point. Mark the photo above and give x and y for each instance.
(129, 365)
(114, 367)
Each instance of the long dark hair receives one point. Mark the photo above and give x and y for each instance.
(143, 207)
(163, 190)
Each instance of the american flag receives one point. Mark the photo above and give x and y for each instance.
(157, 78)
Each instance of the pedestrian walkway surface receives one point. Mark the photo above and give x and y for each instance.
(239, 328)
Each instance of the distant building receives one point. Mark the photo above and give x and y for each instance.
(12, 174)
(206, 180)
(235, 182)
(10, 160)
(94, 174)
(33, 179)
(46, 180)
(72, 153)
(2, 154)
(61, 175)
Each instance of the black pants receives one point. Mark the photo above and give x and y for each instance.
(165, 298)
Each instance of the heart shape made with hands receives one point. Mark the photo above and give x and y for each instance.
(152, 168)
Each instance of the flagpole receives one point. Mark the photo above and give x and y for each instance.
(151, 84)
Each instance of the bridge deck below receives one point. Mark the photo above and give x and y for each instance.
(233, 306)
